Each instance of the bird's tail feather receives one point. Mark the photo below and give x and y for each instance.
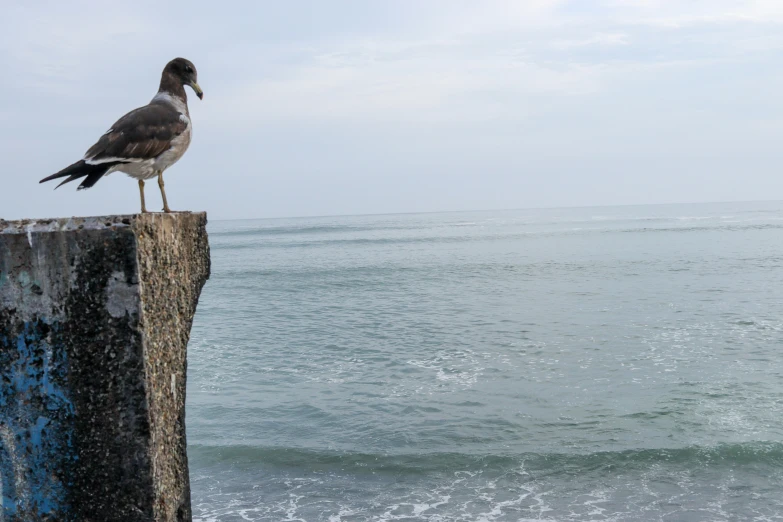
(82, 169)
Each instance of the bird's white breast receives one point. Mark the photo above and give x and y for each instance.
(178, 147)
(180, 144)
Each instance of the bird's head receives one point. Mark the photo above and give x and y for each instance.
(184, 72)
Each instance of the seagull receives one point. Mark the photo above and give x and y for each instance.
(146, 141)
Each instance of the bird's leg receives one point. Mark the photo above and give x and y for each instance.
(163, 191)
(141, 192)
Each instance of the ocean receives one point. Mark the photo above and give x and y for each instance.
(617, 363)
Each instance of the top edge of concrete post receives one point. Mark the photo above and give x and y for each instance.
(95, 317)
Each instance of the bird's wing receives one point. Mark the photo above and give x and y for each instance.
(142, 134)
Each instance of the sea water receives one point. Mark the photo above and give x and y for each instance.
(564, 364)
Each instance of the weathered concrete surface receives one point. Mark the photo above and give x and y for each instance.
(95, 316)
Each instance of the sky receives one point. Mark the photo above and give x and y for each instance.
(382, 106)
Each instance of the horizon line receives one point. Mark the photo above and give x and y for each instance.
(565, 207)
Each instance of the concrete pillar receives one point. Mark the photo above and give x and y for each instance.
(95, 316)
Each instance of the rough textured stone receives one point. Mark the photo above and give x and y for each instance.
(95, 316)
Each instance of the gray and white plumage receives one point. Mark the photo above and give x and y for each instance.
(146, 141)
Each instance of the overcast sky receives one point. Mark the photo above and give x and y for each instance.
(373, 106)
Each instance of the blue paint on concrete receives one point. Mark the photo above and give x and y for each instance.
(23, 278)
(35, 413)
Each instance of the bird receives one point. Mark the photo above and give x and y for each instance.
(146, 141)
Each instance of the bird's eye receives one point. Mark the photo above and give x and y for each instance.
(188, 69)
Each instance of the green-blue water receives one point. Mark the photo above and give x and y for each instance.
(567, 364)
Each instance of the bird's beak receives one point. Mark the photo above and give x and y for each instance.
(197, 90)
